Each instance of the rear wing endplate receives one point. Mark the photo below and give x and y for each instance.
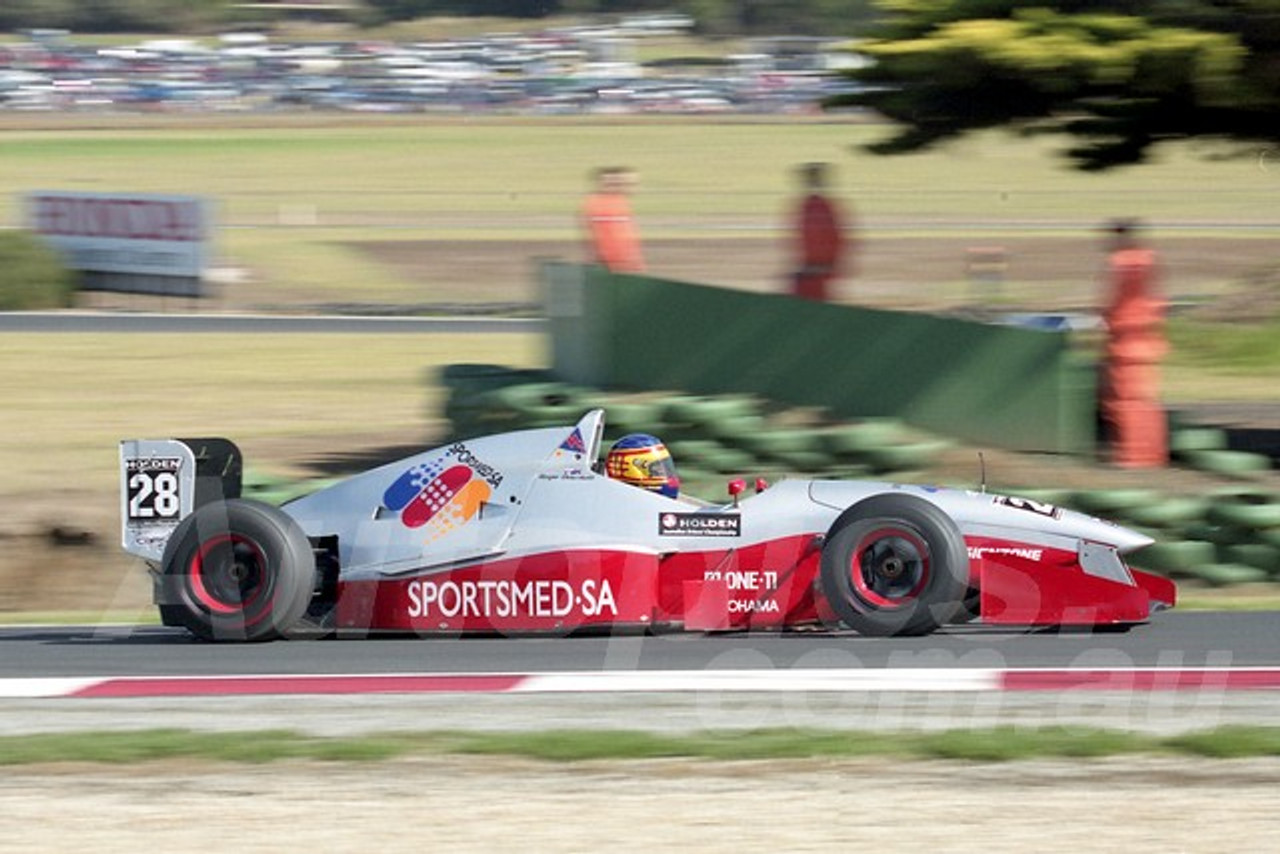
(162, 481)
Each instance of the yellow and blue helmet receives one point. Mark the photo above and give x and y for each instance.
(642, 460)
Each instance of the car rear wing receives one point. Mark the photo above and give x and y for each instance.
(162, 481)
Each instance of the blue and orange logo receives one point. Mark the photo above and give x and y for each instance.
(440, 495)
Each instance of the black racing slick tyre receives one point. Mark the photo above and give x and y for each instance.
(894, 565)
(236, 570)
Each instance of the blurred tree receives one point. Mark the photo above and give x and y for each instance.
(1117, 77)
(103, 16)
(32, 276)
(18, 14)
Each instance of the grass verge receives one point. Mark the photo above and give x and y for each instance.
(998, 744)
(1263, 598)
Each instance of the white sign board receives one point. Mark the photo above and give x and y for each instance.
(114, 233)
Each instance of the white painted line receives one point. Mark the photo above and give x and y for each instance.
(851, 681)
(14, 689)
(834, 681)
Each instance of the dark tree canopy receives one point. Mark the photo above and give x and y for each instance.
(1115, 77)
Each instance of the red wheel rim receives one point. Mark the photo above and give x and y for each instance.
(228, 574)
(890, 567)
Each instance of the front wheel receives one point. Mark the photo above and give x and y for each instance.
(894, 565)
(237, 570)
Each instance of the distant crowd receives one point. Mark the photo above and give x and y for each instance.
(570, 70)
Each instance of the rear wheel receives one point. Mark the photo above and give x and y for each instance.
(894, 565)
(237, 570)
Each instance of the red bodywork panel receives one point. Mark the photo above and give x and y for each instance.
(1022, 585)
(556, 591)
(764, 586)
(770, 585)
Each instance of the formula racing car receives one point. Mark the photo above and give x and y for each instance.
(523, 533)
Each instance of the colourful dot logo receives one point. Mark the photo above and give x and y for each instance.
(436, 494)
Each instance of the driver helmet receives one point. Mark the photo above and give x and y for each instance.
(642, 460)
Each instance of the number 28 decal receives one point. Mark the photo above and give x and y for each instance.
(154, 490)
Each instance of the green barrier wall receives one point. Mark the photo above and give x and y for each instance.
(996, 385)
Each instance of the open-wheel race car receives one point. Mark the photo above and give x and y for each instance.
(522, 533)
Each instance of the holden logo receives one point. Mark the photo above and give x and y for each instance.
(699, 525)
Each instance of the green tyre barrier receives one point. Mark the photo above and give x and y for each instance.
(537, 394)
(1167, 513)
(481, 377)
(459, 404)
(497, 421)
(1243, 493)
(852, 440)
(1246, 511)
(804, 460)
(541, 404)
(633, 416)
(675, 425)
(1227, 574)
(474, 413)
(1154, 533)
(737, 430)
(846, 471)
(692, 448)
(1230, 463)
(1260, 555)
(1106, 502)
(1184, 440)
(692, 409)
(492, 411)
(699, 483)
(1175, 557)
(709, 455)
(1219, 535)
(772, 443)
(901, 458)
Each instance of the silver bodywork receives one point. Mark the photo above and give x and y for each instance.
(548, 499)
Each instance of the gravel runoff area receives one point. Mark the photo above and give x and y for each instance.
(1134, 803)
(1151, 804)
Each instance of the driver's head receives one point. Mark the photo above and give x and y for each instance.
(642, 460)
